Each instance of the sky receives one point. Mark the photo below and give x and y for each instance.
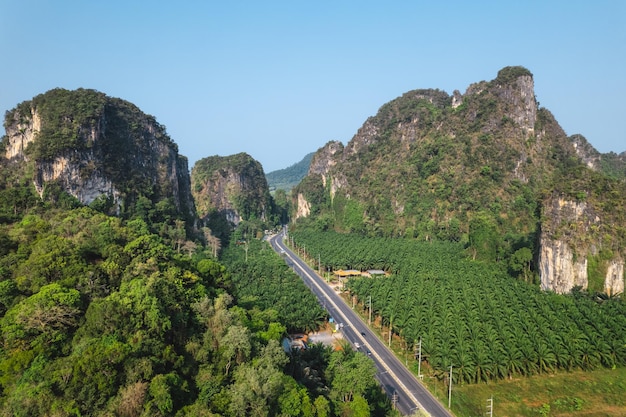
(279, 79)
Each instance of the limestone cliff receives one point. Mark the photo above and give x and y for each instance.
(423, 155)
(94, 146)
(576, 248)
(233, 186)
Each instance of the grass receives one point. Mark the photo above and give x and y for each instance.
(591, 393)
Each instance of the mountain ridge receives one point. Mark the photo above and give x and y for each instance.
(484, 168)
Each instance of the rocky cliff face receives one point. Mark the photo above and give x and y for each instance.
(92, 145)
(232, 186)
(559, 269)
(427, 135)
(570, 237)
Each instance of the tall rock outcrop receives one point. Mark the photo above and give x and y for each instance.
(479, 167)
(93, 146)
(233, 186)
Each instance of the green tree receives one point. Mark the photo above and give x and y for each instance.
(520, 263)
(162, 392)
(322, 406)
(43, 321)
(351, 374)
(258, 384)
(236, 345)
(483, 237)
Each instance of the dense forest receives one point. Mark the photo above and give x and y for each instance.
(131, 312)
(105, 316)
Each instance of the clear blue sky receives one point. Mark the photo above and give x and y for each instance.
(279, 79)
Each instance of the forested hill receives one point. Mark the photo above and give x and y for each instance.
(489, 168)
(287, 178)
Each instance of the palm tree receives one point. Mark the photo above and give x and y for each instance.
(545, 357)
(463, 365)
(513, 360)
(482, 364)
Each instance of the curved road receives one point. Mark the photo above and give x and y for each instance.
(393, 376)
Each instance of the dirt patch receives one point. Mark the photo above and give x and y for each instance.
(327, 337)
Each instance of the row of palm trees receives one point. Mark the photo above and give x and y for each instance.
(493, 327)
(350, 251)
(473, 315)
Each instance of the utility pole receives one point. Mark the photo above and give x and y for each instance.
(450, 389)
(406, 353)
(419, 360)
(370, 304)
(490, 407)
(319, 263)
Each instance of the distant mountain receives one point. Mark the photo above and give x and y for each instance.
(489, 168)
(287, 178)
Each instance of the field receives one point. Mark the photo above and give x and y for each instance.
(578, 393)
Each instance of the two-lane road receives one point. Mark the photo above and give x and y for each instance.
(393, 376)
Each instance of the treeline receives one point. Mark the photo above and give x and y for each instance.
(472, 315)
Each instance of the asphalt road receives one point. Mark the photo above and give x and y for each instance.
(410, 395)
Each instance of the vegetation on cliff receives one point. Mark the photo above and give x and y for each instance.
(476, 168)
(135, 316)
(107, 140)
(232, 189)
